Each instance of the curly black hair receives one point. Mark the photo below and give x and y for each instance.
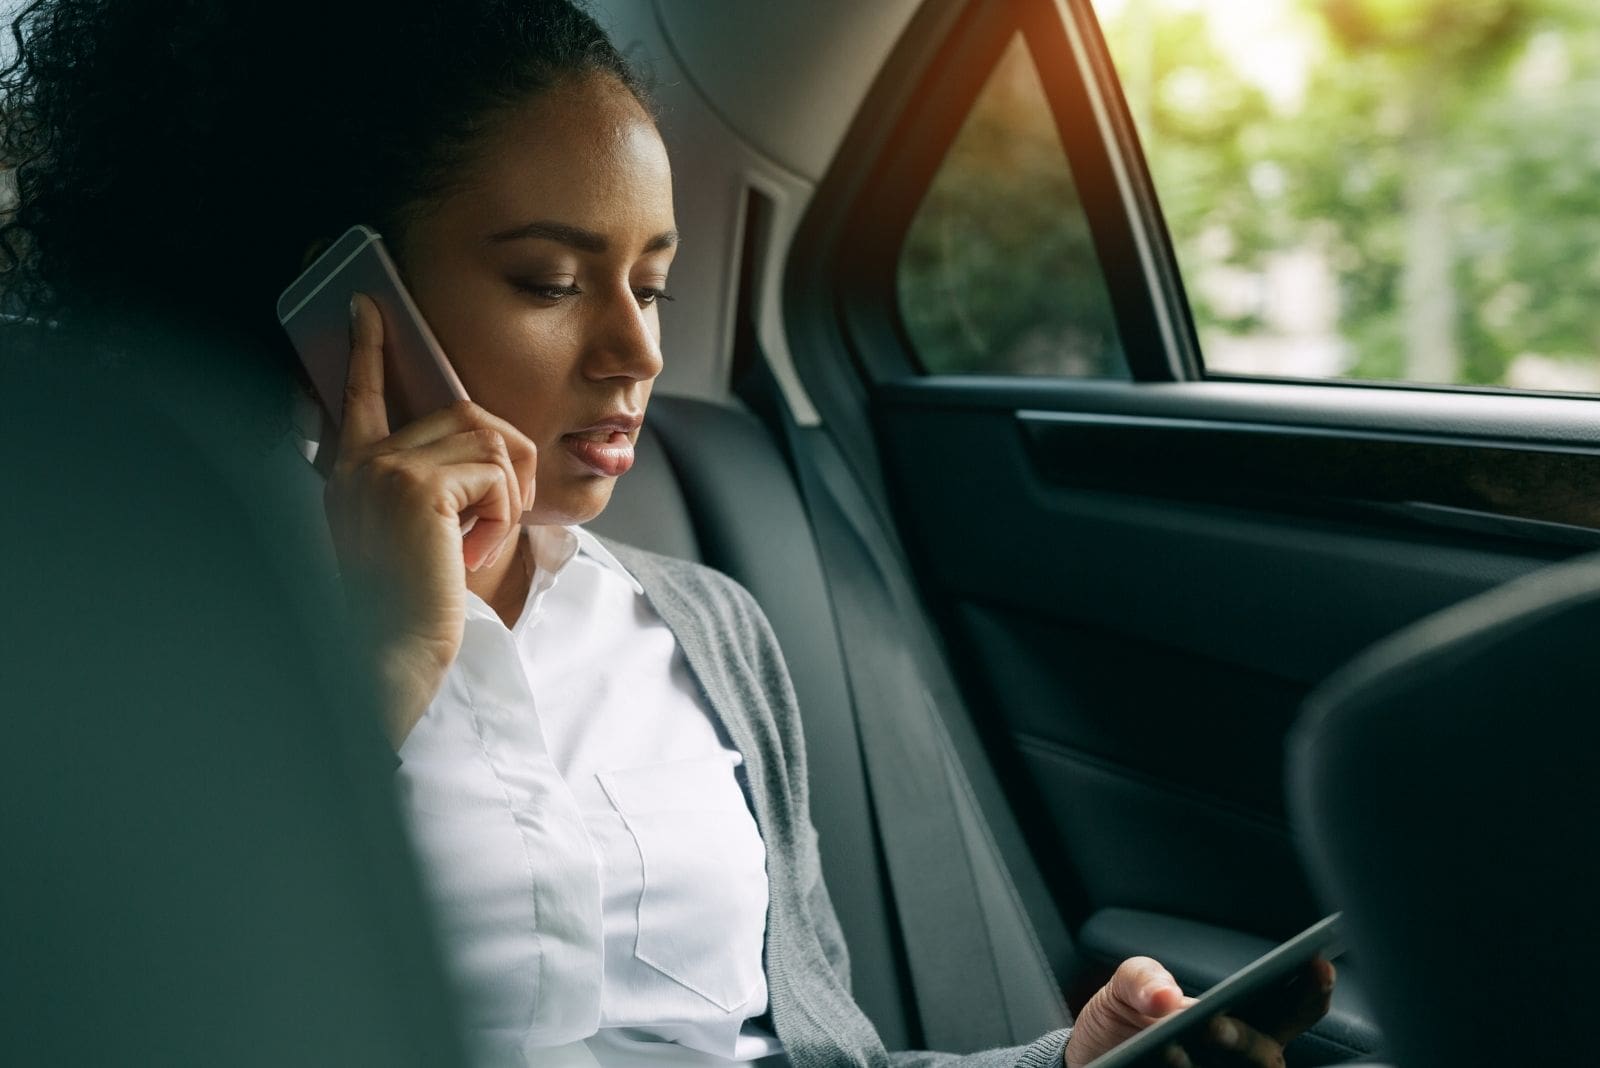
(180, 156)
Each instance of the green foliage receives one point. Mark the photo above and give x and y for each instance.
(1202, 131)
(1487, 107)
(1442, 163)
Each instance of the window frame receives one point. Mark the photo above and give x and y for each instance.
(847, 252)
(840, 274)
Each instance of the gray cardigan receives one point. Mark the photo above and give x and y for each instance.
(734, 656)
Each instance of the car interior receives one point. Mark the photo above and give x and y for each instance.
(1053, 633)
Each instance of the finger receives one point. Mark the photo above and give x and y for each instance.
(1175, 1057)
(1311, 997)
(1292, 1008)
(402, 491)
(1244, 1042)
(464, 416)
(480, 445)
(482, 491)
(1144, 987)
(365, 419)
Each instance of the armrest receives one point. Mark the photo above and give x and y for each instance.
(1200, 955)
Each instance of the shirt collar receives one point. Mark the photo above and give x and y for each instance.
(590, 545)
(553, 549)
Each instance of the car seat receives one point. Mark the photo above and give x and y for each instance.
(202, 861)
(1444, 786)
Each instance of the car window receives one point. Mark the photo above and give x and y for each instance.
(998, 272)
(1377, 189)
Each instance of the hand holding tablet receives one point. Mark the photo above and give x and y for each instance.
(1141, 1019)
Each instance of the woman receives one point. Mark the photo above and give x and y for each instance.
(600, 755)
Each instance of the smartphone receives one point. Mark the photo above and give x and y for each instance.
(315, 312)
(1265, 979)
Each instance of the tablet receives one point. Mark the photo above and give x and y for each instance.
(1261, 978)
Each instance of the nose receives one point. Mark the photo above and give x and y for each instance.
(624, 342)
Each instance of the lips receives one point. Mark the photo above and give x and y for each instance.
(605, 446)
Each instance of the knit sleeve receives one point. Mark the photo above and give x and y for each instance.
(1048, 1051)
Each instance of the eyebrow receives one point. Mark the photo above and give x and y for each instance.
(576, 237)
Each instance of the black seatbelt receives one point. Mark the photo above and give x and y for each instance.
(957, 907)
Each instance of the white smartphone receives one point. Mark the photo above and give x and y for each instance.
(315, 312)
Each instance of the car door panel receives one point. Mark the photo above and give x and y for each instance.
(1140, 646)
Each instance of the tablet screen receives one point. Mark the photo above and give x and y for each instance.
(1258, 980)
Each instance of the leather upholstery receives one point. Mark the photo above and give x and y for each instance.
(1444, 785)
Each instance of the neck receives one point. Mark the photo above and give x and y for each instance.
(504, 584)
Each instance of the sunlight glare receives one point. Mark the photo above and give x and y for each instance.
(1269, 42)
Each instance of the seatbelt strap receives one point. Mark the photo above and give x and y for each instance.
(929, 822)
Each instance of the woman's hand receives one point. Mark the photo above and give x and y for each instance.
(397, 505)
(1142, 992)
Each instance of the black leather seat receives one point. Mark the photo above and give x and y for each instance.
(1444, 785)
(202, 862)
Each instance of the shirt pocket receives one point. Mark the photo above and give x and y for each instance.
(703, 909)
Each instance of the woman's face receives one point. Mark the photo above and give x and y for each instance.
(540, 275)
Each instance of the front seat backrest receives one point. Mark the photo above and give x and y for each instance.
(203, 864)
(1444, 786)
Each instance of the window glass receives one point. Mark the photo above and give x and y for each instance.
(1377, 189)
(998, 274)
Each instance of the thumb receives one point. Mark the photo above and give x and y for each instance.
(1142, 987)
(1138, 994)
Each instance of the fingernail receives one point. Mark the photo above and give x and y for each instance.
(1226, 1034)
(355, 309)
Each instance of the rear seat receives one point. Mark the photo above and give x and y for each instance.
(710, 485)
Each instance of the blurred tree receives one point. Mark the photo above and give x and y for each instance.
(1440, 160)
(1202, 125)
(1427, 67)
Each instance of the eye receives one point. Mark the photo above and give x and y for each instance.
(648, 295)
(551, 291)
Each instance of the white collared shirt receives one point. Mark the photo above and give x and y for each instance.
(598, 879)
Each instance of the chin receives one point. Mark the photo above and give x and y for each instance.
(573, 505)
